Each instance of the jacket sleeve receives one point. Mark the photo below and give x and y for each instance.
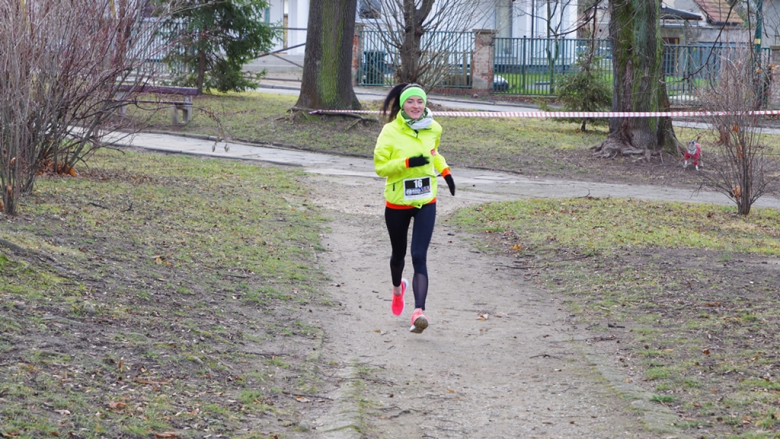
(384, 163)
(439, 162)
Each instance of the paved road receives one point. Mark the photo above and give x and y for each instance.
(473, 184)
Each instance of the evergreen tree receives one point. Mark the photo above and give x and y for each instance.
(585, 90)
(215, 39)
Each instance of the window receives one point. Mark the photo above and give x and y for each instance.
(369, 9)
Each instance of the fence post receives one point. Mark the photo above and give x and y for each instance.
(774, 77)
(357, 52)
(482, 59)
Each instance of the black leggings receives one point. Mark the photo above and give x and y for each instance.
(397, 221)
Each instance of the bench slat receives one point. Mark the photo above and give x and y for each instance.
(159, 89)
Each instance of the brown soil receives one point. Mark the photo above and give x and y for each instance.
(501, 357)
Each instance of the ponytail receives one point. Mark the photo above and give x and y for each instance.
(392, 102)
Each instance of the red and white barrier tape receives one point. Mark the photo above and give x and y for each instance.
(572, 114)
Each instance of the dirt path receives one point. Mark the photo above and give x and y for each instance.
(500, 359)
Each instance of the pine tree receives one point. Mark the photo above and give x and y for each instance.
(215, 39)
(585, 90)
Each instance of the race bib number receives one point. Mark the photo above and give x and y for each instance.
(416, 188)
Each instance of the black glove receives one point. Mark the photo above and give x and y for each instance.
(450, 183)
(413, 162)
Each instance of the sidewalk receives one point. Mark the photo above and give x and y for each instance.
(473, 184)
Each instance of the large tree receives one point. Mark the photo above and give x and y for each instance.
(327, 62)
(638, 79)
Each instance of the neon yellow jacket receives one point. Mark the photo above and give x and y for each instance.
(405, 187)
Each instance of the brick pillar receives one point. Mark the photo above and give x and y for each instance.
(482, 60)
(774, 78)
(357, 52)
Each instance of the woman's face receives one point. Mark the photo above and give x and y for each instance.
(414, 107)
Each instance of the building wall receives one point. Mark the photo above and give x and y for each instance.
(530, 18)
(484, 15)
(771, 23)
(276, 18)
(297, 18)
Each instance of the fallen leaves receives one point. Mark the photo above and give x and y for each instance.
(166, 434)
(116, 405)
(151, 382)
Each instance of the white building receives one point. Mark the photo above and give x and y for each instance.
(511, 18)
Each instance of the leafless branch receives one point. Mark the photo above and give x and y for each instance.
(737, 164)
(62, 64)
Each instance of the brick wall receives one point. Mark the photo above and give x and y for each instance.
(482, 59)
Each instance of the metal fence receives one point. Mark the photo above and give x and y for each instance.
(534, 66)
(690, 67)
(447, 56)
(154, 43)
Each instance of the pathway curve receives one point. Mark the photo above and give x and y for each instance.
(501, 358)
(476, 185)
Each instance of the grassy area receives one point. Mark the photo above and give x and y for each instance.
(159, 295)
(509, 144)
(136, 301)
(685, 295)
(534, 147)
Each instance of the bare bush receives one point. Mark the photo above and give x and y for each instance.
(63, 63)
(737, 164)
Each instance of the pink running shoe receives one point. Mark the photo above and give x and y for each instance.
(419, 322)
(398, 299)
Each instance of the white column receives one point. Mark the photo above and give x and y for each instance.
(298, 18)
(277, 19)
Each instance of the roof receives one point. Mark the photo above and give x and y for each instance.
(677, 14)
(717, 12)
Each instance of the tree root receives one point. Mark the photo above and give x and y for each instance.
(352, 115)
(612, 147)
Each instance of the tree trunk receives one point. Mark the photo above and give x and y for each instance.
(201, 63)
(410, 55)
(410, 52)
(327, 63)
(638, 79)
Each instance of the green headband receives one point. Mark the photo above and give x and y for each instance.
(413, 90)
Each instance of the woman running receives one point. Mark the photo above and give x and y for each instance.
(406, 154)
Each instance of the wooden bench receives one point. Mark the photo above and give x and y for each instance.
(185, 105)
